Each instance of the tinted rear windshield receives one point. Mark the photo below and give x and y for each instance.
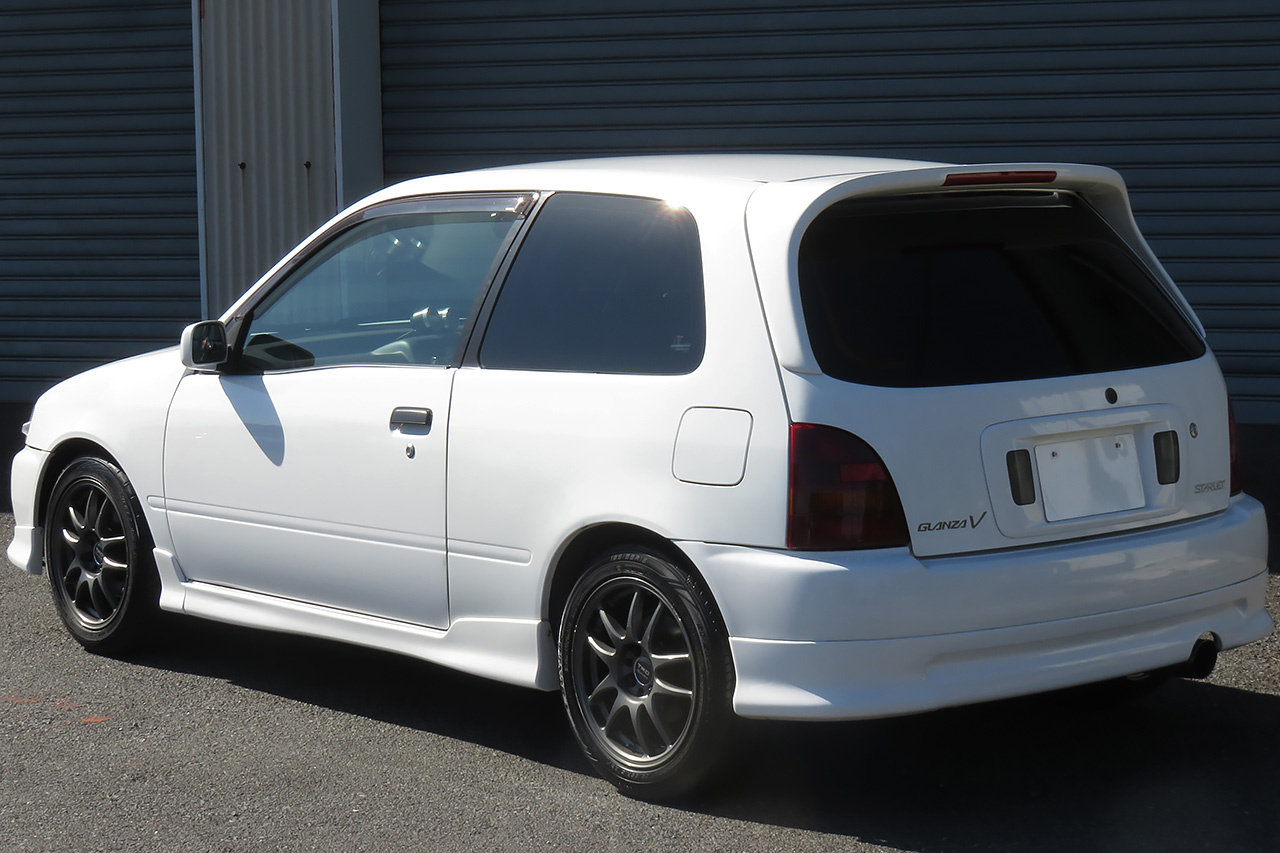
(980, 288)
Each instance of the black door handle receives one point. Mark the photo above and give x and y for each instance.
(409, 416)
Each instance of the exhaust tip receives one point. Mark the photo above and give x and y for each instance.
(1204, 656)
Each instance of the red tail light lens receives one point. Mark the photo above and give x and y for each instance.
(1237, 480)
(841, 496)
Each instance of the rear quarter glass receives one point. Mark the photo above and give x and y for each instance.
(980, 287)
(602, 284)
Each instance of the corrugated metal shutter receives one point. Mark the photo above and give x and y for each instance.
(98, 232)
(1182, 96)
(268, 157)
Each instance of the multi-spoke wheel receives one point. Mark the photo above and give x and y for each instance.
(99, 556)
(646, 673)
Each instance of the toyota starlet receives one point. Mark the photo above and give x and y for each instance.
(687, 439)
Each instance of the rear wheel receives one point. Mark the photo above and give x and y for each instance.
(646, 674)
(98, 553)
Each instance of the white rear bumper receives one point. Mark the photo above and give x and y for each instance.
(852, 635)
(875, 678)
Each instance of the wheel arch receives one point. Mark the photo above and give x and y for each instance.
(59, 460)
(575, 555)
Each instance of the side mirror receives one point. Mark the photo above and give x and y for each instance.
(204, 345)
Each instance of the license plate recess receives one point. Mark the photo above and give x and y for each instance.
(1089, 476)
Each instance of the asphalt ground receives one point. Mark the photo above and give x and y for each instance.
(224, 738)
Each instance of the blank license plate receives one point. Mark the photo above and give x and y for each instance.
(1089, 476)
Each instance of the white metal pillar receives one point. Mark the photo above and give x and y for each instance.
(288, 128)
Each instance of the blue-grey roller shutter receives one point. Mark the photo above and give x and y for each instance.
(1182, 96)
(99, 256)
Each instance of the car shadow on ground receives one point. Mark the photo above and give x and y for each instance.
(1193, 766)
(373, 684)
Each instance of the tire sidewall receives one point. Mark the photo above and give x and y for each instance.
(698, 752)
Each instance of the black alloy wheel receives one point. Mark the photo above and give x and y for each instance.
(98, 555)
(646, 674)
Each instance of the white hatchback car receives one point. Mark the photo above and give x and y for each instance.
(684, 438)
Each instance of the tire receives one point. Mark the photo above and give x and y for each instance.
(646, 674)
(98, 555)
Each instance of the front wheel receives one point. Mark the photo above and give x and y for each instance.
(646, 674)
(98, 553)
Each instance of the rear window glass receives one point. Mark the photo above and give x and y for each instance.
(966, 290)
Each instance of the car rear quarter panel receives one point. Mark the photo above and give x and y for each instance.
(537, 457)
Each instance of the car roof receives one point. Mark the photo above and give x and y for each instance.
(758, 168)
(654, 173)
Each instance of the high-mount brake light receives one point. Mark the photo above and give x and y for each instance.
(840, 495)
(988, 179)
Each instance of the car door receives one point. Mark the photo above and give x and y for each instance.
(312, 466)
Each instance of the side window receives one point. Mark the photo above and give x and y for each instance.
(602, 284)
(397, 289)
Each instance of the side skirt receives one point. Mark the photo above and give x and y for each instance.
(514, 651)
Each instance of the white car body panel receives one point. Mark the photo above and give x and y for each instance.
(493, 648)
(838, 596)
(120, 407)
(451, 555)
(1025, 414)
(26, 551)
(295, 484)
(879, 678)
(552, 441)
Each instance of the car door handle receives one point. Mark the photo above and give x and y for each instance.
(403, 416)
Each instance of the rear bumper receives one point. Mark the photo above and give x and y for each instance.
(877, 678)
(851, 635)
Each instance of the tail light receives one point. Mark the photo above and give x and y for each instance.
(1237, 480)
(841, 496)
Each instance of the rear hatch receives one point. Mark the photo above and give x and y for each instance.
(1008, 345)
